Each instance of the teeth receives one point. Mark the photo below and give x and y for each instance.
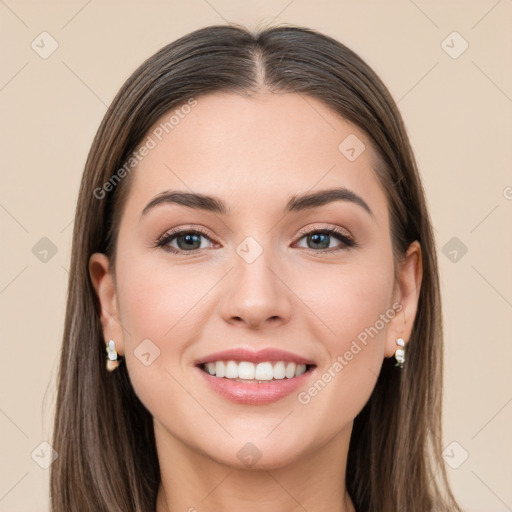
(220, 369)
(245, 370)
(231, 370)
(279, 370)
(264, 371)
(290, 370)
(250, 371)
(301, 368)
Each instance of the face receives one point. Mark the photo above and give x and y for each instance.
(255, 278)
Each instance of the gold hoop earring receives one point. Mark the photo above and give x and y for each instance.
(400, 353)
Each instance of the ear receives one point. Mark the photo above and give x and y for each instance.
(104, 284)
(406, 294)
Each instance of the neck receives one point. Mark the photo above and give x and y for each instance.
(197, 483)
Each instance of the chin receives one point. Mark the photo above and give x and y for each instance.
(258, 453)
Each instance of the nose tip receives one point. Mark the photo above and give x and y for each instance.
(256, 296)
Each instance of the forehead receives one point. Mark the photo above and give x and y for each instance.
(255, 152)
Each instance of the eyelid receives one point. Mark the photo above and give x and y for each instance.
(327, 228)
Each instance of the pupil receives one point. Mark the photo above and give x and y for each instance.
(316, 238)
(189, 240)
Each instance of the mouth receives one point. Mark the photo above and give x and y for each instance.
(255, 378)
(255, 373)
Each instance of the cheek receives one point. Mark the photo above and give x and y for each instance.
(158, 301)
(355, 306)
(162, 310)
(349, 302)
(158, 310)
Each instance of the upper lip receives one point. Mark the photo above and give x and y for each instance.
(260, 356)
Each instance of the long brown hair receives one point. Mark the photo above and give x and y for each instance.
(107, 459)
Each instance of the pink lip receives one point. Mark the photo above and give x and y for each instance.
(244, 354)
(254, 393)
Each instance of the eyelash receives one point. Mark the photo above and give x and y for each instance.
(167, 237)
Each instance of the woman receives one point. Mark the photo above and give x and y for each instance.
(254, 317)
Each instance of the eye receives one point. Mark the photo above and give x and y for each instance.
(187, 240)
(320, 239)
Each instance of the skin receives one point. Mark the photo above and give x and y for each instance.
(254, 153)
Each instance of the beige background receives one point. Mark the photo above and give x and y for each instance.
(459, 116)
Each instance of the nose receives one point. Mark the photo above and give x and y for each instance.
(256, 294)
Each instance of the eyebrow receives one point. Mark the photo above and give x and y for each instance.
(301, 202)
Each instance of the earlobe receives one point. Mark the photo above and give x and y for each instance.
(104, 285)
(407, 292)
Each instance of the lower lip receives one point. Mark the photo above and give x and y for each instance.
(254, 393)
